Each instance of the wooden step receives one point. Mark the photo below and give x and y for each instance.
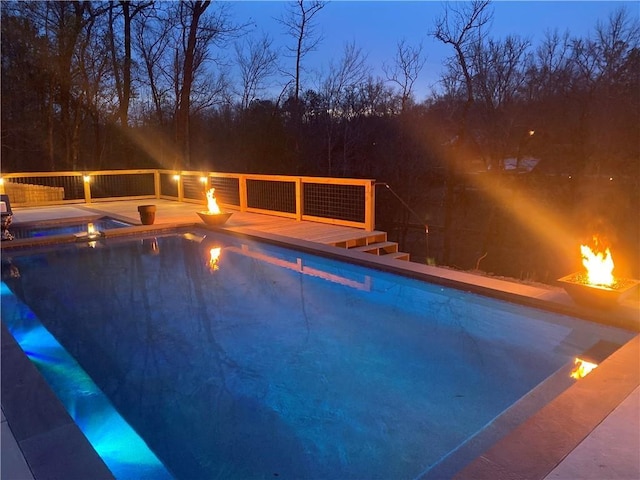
(379, 248)
(399, 256)
(360, 240)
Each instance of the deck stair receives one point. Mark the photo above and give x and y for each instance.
(375, 243)
(378, 248)
(360, 240)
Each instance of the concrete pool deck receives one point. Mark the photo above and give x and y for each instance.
(590, 431)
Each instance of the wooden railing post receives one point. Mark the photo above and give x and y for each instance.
(156, 183)
(370, 206)
(86, 182)
(180, 188)
(299, 206)
(242, 193)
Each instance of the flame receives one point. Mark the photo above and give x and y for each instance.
(212, 205)
(91, 230)
(582, 368)
(599, 266)
(214, 258)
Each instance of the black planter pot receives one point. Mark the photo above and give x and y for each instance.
(147, 214)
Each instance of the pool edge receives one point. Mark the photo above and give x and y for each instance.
(414, 271)
(537, 446)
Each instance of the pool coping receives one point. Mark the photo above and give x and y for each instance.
(506, 459)
(536, 447)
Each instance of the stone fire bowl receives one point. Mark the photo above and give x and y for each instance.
(214, 218)
(598, 296)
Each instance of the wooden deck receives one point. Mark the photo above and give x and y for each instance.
(184, 213)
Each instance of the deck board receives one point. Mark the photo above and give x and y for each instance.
(172, 212)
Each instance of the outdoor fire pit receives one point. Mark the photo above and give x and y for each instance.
(597, 287)
(600, 296)
(214, 216)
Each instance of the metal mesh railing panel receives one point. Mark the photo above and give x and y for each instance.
(130, 185)
(227, 190)
(343, 202)
(36, 189)
(168, 186)
(193, 188)
(279, 196)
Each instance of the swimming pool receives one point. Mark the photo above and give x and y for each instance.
(69, 227)
(266, 362)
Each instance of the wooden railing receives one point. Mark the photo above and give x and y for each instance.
(339, 201)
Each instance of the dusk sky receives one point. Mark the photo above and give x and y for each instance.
(377, 26)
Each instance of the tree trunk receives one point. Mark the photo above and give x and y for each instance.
(182, 115)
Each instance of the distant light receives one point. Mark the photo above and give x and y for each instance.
(611, 179)
(86, 178)
(570, 177)
(176, 177)
(531, 132)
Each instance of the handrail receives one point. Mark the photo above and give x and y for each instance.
(339, 201)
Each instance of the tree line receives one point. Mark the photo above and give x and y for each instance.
(185, 85)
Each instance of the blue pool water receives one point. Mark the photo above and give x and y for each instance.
(271, 363)
(70, 228)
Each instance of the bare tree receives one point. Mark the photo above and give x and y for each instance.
(152, 40)
(63, 24)
(257, 61)
(408, 64)
(500, 68)
(93, 89)
(298, 22)
(197, 32)
(190, 14)
(500, 72)
(122, 64)
(337, 90)
(608, 64)
(615, 39)
(460, 26)
(551, 69)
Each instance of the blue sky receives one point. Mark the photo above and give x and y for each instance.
(377, 26)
